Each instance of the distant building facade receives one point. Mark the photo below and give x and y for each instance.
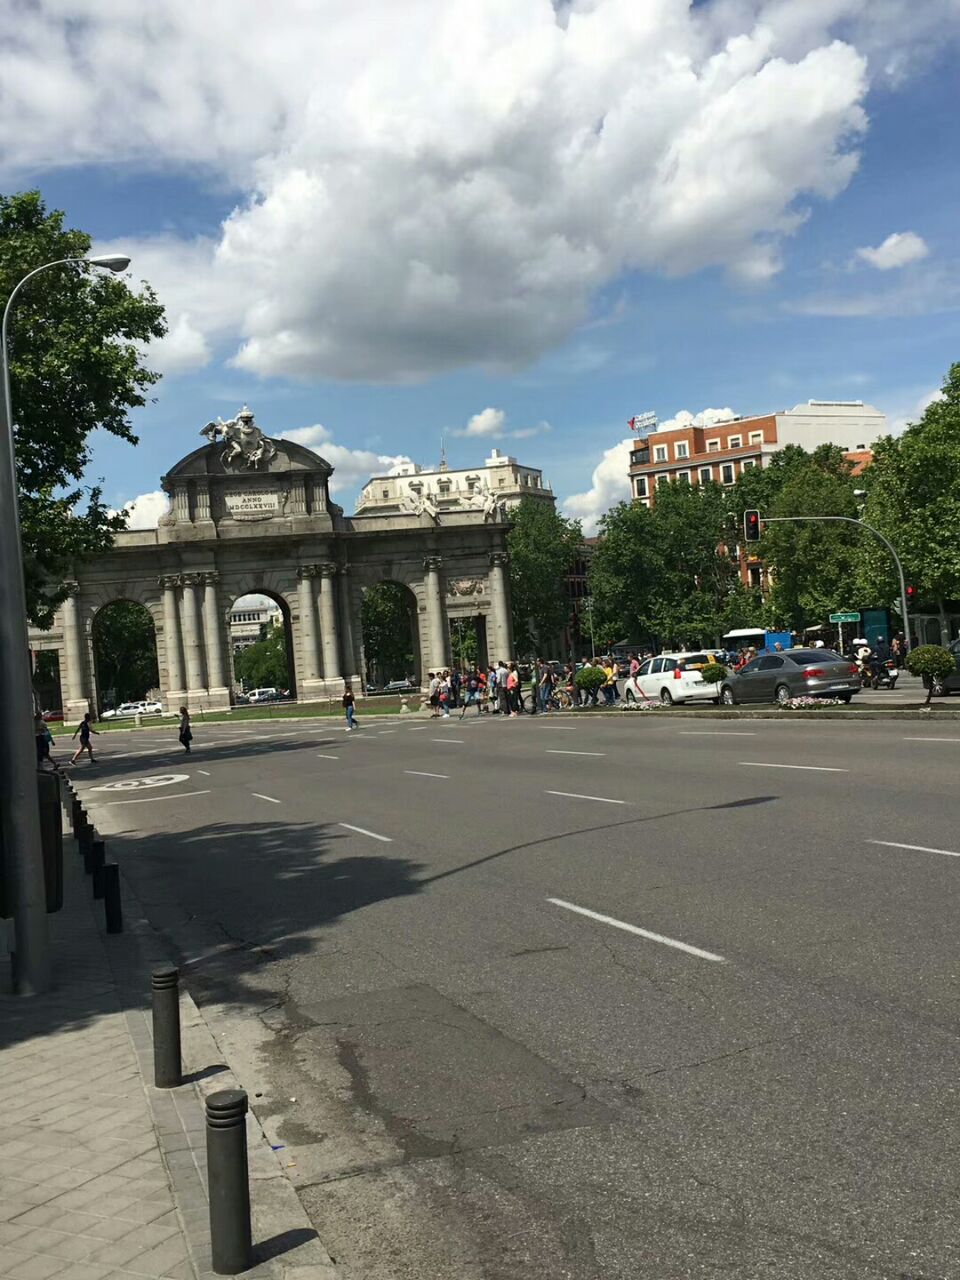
(246, 623)
(501, 479)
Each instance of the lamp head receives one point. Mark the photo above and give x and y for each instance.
(111, 261)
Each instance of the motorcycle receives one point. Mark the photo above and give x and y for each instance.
(877, 673)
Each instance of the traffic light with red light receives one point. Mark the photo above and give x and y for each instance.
(911, 594)
(751, 526)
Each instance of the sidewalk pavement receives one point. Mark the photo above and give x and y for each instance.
(102, 1176)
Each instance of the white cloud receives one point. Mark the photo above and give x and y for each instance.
(352, 467)
(145, 510)
(898, 250)
(184, 348)
(490, 424)
(900, 418)
(609, 485)
(705, 418)
(444, 183)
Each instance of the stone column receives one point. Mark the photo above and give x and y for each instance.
(328, 622)
(75, 701)
(436, 615)
(500, 631)
(192, 638)
(213, 640)
(309, 656)
(171, 643)
(347, 643)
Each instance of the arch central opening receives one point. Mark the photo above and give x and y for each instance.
(261, 646)
(391, 634)
(124, 655)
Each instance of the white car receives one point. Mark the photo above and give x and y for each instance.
(153, 708)
(125, 709)
(670, 678)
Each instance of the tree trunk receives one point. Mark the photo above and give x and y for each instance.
(944, 622)
(929, 692)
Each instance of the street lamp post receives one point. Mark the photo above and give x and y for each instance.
(18, 764)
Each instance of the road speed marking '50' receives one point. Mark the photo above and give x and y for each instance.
(138, 784)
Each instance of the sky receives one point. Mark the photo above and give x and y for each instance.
(509, 223)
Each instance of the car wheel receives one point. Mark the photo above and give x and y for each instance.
(844, 697)
(782, 694)
(666, 698)
(939, 688)
(727, 699)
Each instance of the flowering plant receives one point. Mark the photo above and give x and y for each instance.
(806, 703)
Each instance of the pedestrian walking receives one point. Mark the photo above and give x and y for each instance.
(84, 728)
(445, 693)
(513, 690)
(348, 705)
(186, 733)
(473, 698)
(896, 651)
(433, 691)
(43, 739)
(544, 689)
(503, 689)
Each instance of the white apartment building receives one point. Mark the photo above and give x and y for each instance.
(246, 621)
(504, 477)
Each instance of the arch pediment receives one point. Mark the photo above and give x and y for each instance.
(208, 461)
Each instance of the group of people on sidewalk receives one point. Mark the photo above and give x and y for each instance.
(499, 690)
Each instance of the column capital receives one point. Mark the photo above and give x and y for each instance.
(308, 571)
(71, 588)
(211, 577)
(327, 570)
(432, 564)
(499, 558)
(168, 580)
(191, 579)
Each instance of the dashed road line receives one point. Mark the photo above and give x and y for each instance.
(321, 756)
(809, 768)
(717, 733)
(459, 741)
(364, 832)
(915, 848)
(263, 797)
(555, 751)
(205, 772)
(575, 795)
(182, 795)
(642, 933)
(931, 739)
(420, 773)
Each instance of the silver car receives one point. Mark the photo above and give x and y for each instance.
(794, 673)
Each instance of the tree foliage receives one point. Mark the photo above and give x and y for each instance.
(387, 633)
(913, 488)
(125, 651)
(542, 546)
(76, 365)
(264, 665)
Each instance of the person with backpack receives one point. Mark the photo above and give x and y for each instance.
(84, 728)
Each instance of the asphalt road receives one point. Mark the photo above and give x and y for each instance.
(577, 996)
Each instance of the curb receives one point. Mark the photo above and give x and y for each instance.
(828, 713)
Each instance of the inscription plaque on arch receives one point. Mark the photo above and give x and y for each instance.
(253, 502)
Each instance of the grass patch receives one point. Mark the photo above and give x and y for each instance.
(329, 707)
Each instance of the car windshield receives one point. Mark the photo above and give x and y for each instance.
(813, 657)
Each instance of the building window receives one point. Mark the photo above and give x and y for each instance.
(681, 449)
(641, 486)
(748, 462)
(756, 437)
(385, 492)
(713, 446)
(662, 479)
(645, 502)
(684, 475)
(726, 471)
(499, 482)
(706, 475)
(660, 453)
(735, 442)
(755, 574)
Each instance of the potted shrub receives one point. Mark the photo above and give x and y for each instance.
(933, 664)
(589, 680)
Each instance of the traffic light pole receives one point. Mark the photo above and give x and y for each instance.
(880, 537)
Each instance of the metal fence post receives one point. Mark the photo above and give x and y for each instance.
(165, 989)
(110, 880)
(230, 1238)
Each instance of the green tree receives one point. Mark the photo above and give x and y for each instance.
(913, 488)
(125, 650)
(623, 570)
(387, 633)
(542, 546)
(76, 365)
(264, 665)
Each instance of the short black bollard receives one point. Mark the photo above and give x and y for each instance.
(76, 816)
(165, 988)
(98, 856)
(230, 1239)
(98, 881)
(87, 841)
(110, 879)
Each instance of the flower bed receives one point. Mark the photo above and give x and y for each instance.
(805, 703)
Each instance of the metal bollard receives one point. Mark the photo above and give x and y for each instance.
(165, 989)
(110, 879)
(98, 856)
(86, 844)
(76, 816)
(98, 881)
(230, 1239)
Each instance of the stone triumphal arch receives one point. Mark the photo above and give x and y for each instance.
(253, 514)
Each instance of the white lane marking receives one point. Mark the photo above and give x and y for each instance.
(382, 731)
(205, 772)
(555, 751)
(716, 733)
(642, 933)
(261, 797)
(575, 795)
(153, 799)
(458, 741)
(364, 832)
(917, 848)
(810, 768)
(321, 756)
(931, 739)
(419, 773)
(420, 729)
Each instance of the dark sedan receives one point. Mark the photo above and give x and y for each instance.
(794, 673)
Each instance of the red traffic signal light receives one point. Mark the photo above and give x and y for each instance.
(751, 526)
(911, 594)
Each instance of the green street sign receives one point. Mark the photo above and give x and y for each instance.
(844, 617)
